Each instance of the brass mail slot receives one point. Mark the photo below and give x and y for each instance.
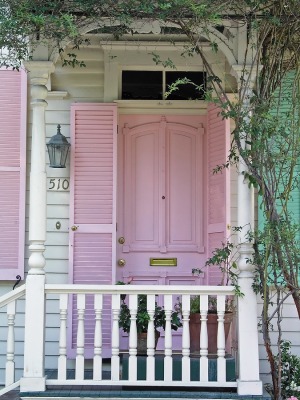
(163, 262)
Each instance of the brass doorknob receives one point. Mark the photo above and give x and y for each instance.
(121, 240)
(121, 262)
(74, 228)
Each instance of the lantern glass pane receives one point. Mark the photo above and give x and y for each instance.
(58, 155)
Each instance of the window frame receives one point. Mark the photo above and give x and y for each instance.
(164, 71)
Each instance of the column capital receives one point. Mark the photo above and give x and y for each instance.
(38, 95)
(39, 71)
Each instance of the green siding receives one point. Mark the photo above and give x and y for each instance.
(285, 107)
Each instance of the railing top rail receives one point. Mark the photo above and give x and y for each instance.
(12, 295)
(139, 289)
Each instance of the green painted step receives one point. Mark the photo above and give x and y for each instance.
(195, 368)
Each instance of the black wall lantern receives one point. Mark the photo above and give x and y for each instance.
(58, 148)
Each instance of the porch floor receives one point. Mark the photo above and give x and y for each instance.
(75, 392)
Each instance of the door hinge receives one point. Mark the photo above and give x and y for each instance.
(116, 227)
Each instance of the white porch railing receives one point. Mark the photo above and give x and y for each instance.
(9, 301)
(38, 294)
(167, 294)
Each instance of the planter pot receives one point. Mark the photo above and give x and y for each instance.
(212, 328)
(142, 342)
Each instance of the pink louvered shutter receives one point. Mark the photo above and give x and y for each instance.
(93, 210)
(218, 185)
(12, 172)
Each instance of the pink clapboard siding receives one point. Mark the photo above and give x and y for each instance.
(92, 210)
(13, 86)
(218, 185)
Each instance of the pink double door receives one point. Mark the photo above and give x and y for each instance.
(161, 198)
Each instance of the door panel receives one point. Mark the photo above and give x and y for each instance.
(141, 187)
(184, 205)
(144, 174)
(160, 202)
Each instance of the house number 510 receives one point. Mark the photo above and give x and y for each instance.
(58, 184)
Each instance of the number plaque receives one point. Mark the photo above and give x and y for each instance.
(58, 184)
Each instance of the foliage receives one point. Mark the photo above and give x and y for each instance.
(143, 317)
(185, 81)
(288, 366)
(195, 305)
(60, 22)
(212, 305)
(265, 141)
(225, 258)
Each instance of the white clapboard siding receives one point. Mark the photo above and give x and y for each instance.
(291, 329)
(82, 84)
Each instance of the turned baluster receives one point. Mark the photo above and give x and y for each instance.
(151, 338)
(115, 341)
(203, 339)
(80, 337)
(97, 367)
(62, 359)
(132, 363)
(221, 367)
(168, 365)
(186, 364)
(10, 353)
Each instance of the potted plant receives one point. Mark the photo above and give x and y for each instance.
(226, 261)
(142, 320)
(212, 323)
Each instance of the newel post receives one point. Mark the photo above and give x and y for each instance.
(249, 382)
(34, 375)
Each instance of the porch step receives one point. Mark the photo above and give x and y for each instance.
(74, 393)
(12, 395)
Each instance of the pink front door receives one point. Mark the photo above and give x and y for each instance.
(161, 180)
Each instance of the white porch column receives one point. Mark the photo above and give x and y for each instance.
(249, 382)
(34, 375)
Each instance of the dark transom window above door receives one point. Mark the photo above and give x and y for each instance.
(155, 85)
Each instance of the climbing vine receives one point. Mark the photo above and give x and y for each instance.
(265, 110)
